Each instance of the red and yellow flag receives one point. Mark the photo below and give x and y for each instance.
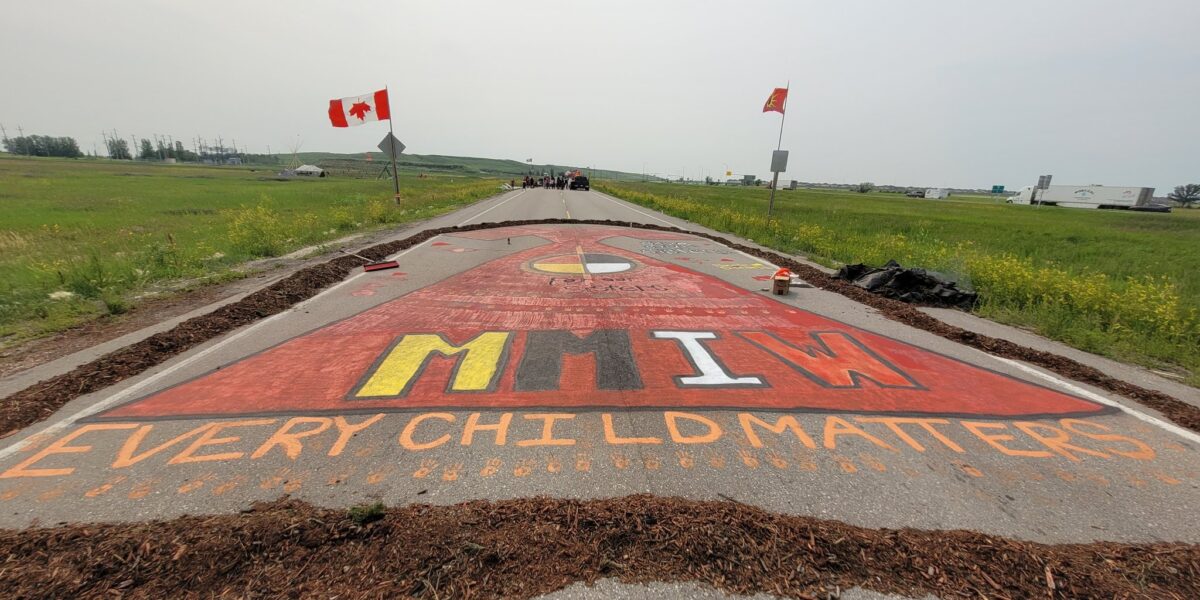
(776, 101)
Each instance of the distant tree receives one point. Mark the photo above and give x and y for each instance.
(184, 154)
(118, 149)
(1186, 194)
(148, 152)
(864, 187)
(67, 146)
(16, 145)
(43, 145)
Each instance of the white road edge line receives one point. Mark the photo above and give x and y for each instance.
(1079, 391)
(749, 256)
(491, 209)
(104, 404)
(757, 259)
(1074, 389)
(636, 210)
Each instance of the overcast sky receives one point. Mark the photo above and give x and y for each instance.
(923, 92)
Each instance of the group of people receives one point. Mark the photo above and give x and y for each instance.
(545, 181)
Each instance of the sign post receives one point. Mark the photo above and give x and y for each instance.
(391, 146)
(778, 165)
(393, 140)
(996, 190)
(1042, 184)
(779, 157)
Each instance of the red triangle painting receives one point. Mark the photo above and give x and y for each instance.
(526, 332)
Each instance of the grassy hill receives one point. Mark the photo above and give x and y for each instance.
(464, 165)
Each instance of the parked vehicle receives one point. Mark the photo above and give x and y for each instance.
(580, 182)
(1086, 196)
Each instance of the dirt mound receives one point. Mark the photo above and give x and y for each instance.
(527, 547)
(41, 400)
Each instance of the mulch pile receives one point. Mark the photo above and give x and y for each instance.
(41, 400)
(528, 547)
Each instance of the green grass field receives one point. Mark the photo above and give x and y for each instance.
(82, 238)
(1117, 283)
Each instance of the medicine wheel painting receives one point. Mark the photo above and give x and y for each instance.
(580, 264)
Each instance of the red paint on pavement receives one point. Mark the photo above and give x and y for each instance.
(800, 361)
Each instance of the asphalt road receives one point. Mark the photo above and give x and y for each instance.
(584, 361)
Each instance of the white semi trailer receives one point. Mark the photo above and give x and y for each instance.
(1086, 196)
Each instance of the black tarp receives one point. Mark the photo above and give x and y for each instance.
(916, 286)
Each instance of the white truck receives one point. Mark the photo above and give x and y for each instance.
(937, 193)
(1086, 196)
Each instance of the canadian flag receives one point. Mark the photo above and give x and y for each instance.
(357, 110)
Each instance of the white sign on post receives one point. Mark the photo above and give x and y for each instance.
(779, 161)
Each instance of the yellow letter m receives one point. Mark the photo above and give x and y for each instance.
(478, 364)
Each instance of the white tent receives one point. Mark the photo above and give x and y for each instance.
(309, 171)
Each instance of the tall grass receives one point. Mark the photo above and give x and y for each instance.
(1120, 284)
(85, 238)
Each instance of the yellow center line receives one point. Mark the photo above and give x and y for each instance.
(582, 262)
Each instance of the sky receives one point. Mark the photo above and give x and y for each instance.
(914, 92)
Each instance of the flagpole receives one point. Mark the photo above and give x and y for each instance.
(778, 147)
(784, 113)
(392, 143)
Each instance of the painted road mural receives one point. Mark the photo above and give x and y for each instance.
(580, 325)
(596, 361)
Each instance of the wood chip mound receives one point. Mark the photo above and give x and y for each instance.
(528, 547)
